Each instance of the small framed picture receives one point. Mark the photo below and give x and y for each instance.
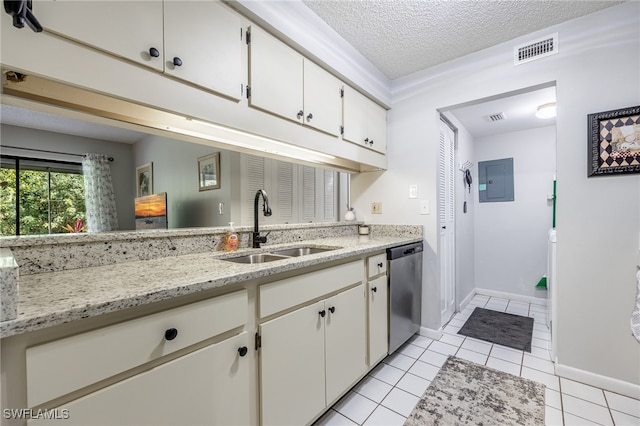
(144, 180)
(614, 142)
(209, 172)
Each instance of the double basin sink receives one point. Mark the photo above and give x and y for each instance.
(277, 255)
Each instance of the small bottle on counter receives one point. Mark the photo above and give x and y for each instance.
(231, 240)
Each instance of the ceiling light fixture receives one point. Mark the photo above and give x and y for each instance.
(546, 111)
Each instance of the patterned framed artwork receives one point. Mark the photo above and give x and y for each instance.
(614, 142)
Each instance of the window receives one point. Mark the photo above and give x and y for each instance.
(40, 196)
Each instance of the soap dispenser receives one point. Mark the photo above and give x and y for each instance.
(231, 241)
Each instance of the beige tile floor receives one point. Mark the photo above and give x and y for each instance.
(388, 394)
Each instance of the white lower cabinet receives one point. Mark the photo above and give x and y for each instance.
(377, 294)
(309, 357)
(209, 386)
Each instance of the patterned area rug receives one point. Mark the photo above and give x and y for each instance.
(510, 330)
(465, 393)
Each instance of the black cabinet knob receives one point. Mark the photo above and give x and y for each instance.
(366, 140)
(371, 142)
(170, 334)
(374, 289)
(309, 117)
(332, 309)
(300, 114)
(322, 313)
(177, 62)
(154, 53)
(380, 265)
(242, 351)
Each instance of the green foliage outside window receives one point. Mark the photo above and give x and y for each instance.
(66, 202)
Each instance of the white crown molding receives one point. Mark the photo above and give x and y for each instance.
(293, 22)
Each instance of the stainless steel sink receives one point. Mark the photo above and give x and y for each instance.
(256, 258)
(277, 255)
(300, 251)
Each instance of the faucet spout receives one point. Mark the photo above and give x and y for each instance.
(266, 210)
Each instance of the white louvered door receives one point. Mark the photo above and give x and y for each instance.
(446, 221)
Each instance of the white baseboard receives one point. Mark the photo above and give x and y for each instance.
(430, 333)
(466, 300)
(614, 385)
(512, 296)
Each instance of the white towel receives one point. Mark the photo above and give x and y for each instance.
(635, 315)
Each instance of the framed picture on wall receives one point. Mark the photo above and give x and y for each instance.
(614, 142)
(209, 172)
(144, 180)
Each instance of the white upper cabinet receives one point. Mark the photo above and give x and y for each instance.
(365, 122)
(288, 85)
(196, 41)
(132, 30)
(322, 99)
(205, 39)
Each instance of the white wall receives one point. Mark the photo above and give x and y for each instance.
(597, 217)
(175, 171)
(511, 237)
(122, 169)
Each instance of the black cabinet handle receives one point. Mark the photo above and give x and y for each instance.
(322, 313)
(332, 309)
(366, 140)
(371, 142)
(374, 289)
(309, 117)
(170, 334)
(154, 53)
(300, 114)
(242, 351)
(380, 265)
(177, 62)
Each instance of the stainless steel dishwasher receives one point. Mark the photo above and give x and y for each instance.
(405, 293)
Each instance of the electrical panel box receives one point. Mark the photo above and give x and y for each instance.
(495, 181)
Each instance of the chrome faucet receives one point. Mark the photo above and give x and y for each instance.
(257, 239)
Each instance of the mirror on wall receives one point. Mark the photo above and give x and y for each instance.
(301, 193)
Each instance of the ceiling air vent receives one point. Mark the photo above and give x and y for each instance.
(496, 117)
(535, 49)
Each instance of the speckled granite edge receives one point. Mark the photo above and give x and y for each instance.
(8, 285)
(73, 251)
(54, 298)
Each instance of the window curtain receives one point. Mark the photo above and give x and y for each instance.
(100, 199)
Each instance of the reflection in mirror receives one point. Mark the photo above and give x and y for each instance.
(299, 193)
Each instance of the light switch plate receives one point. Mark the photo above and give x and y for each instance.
(376, 208)
(413, 191)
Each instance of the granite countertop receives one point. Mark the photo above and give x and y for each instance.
(55, 298)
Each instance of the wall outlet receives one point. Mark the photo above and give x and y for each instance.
(376, 208)
(424, 206)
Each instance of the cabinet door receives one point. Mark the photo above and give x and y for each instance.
(127, 29)
(275, 76)
(377, 127)
(292, 367)
(354, 116)
(377, 294)
(322, 101)
(209, 386)
(345, 346)
(207, 37)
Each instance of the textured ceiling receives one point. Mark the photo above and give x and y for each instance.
(401, 37)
